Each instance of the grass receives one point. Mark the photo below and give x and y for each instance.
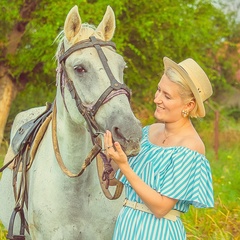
(223, 221)
(3, 232)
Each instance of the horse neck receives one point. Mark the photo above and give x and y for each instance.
(73, 138)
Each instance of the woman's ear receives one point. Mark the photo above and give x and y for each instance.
(190, 105)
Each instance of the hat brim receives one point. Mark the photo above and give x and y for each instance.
(168, 63)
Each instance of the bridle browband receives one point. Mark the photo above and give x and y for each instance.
(115, 88)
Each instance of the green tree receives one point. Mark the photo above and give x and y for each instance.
(146, 31)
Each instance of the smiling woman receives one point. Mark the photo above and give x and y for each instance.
(171, 172)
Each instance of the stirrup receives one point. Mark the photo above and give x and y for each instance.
(10, 235)
(17, 237)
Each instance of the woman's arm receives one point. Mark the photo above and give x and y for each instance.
(158, 204)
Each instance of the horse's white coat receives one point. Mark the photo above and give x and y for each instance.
(75, 208)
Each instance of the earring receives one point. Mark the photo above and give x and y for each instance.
(185, 113)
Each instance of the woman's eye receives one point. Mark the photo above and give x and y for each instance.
(80, 69)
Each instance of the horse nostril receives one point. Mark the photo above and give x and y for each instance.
(117, 133)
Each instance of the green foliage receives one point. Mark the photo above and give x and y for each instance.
(3, 150)
(27, 98)
(3, 233)
(145, 33)
(178, 31)
(8, 17)
(234, 112)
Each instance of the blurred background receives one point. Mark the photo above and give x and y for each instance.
(146, 31)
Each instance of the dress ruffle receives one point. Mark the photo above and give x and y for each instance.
(175, 172)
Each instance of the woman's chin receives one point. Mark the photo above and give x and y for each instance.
(157, 115)
(159, 118)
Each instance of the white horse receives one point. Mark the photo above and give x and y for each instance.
(60, 206)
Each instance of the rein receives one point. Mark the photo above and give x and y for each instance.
(89, 112)
(103, 165)
(92, 154)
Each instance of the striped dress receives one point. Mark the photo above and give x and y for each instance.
(176, 172)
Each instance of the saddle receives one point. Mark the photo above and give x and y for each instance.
(29, 134)
(29, 130)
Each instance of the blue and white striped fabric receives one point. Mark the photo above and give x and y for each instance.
(176, 172)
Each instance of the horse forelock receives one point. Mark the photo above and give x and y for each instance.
(86, 31)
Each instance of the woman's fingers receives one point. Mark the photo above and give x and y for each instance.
(108, 143)
(118, 148)
(108, 140)
(114, 150)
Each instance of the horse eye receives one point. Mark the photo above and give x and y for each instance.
(80, 69)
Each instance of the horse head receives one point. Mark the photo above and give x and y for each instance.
(90, 73)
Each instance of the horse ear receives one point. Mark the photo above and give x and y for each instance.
(107, 26)
(72, 25)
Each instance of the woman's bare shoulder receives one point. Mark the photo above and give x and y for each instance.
(195, 143)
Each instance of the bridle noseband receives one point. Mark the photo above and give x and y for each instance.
(113, 90)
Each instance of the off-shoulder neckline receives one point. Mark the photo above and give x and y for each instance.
(169, 147)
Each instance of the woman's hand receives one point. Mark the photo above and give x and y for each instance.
(114, 150)
(160, 205)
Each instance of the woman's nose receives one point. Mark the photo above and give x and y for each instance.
(157, 98)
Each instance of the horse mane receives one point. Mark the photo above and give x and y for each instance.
(86, 31)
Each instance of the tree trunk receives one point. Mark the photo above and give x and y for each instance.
(8, 89)
(7, 94)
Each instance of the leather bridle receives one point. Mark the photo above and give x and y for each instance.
(89, 113)
(113, 90)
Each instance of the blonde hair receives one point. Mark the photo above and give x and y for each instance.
(184, 90)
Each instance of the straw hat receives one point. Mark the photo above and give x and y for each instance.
(196, 79)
